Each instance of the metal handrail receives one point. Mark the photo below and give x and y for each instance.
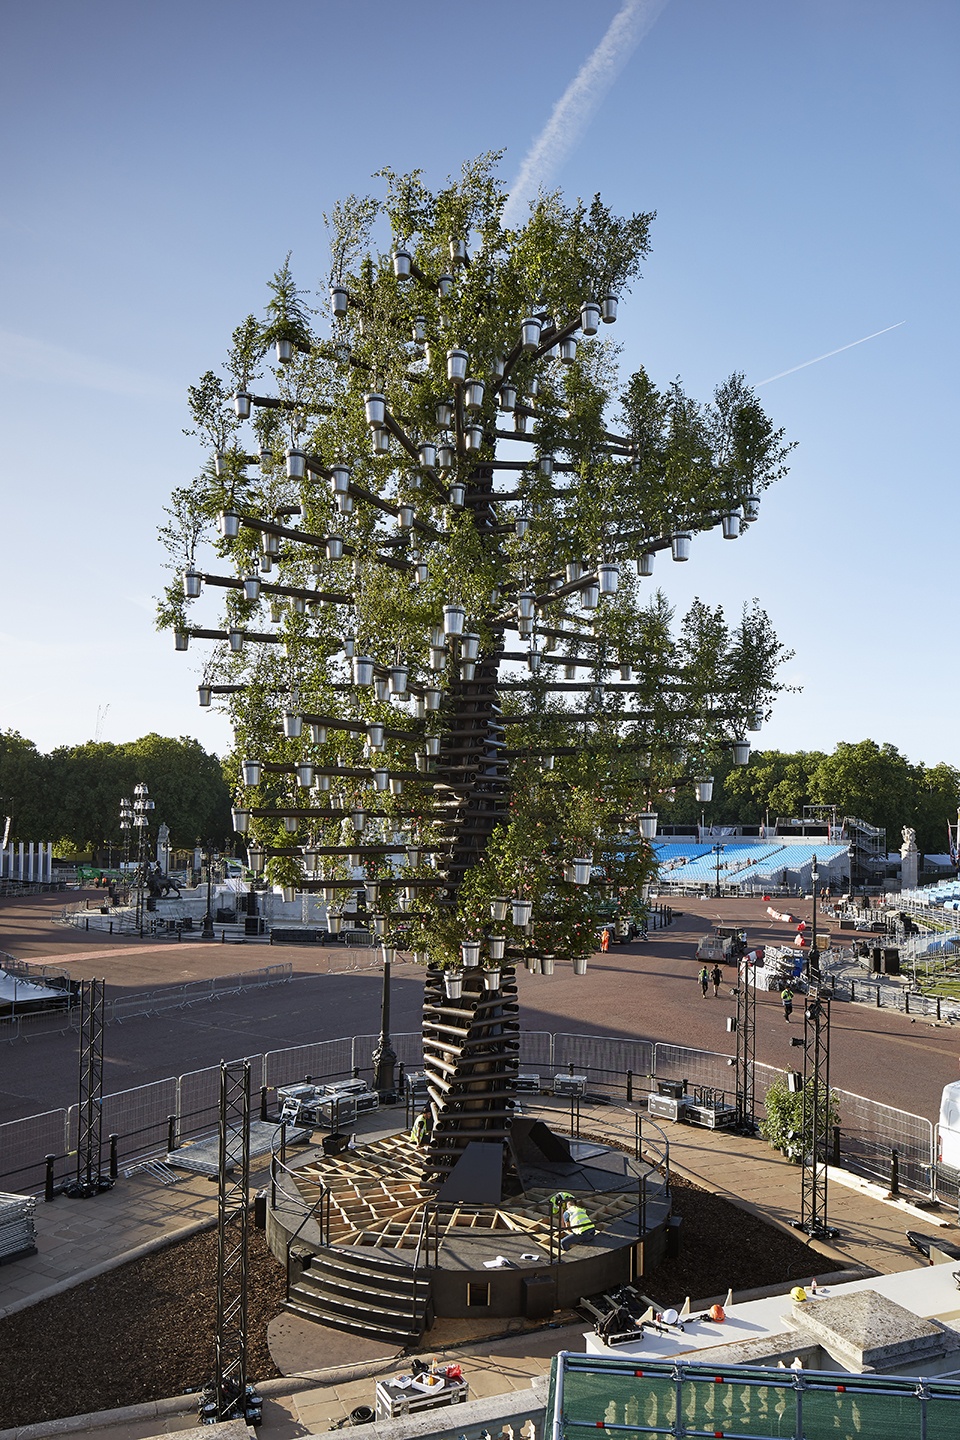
(424, 1219)
(322, 1200)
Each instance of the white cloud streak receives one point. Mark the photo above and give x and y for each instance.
(24, 358)
(839, 351)
(579, 103)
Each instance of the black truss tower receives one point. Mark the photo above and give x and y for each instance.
(815, 1122)
(230, 1377)
(88, 1179)
(746, 1027)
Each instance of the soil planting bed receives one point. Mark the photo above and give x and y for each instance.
(145, 1330)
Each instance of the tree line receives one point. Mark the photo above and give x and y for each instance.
(72, 795)
(876, 783)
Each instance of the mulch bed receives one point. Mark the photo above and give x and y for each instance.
(145, 1330)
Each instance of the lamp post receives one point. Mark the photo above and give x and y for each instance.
(385, 1057)
(814, 962)
(126, 823)
(142, 805)
(207, 932)
(718, 851)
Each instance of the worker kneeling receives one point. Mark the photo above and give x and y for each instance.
(420, 1134)
(575, 1225)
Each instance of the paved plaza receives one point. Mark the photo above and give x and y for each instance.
(647, 990)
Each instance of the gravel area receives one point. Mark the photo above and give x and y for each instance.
(145, 1330)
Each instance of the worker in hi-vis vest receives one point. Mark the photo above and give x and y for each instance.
(420, 1133)
(575, 1225)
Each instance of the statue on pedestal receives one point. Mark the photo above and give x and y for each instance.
(909, 859)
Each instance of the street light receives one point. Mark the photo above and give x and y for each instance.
(126, 823)
(814, 962)
(385, 1057)
(718, 851)
(207, 932)
(142, 805)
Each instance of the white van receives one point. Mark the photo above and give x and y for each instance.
(948, 1142)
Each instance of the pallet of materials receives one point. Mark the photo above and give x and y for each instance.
(18, 1231)
(202, 1155)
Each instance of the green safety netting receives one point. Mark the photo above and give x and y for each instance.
(627, 1399)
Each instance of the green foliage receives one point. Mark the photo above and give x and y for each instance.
(784, 1125)
(74, 793)
(873, 782)
(609, 498)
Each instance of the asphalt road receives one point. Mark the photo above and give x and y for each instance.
(644, 990)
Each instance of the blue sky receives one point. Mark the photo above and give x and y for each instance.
(159, 162)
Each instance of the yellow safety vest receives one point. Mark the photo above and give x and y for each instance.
(578, 1220)
(419, 1131)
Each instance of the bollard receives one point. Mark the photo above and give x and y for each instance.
(938, 1007)
(263, 1102)
(906, 1000)
(48, 1190)
(629, 1086)
(401, 1077)
(836, 1146)
(171, 1132)
(894, 1173)
(114, 1167)
(879, 1006)
(853, 990)
(111, 927)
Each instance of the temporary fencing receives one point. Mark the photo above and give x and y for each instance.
(176, 1109)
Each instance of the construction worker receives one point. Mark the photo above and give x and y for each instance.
(703, 980)
(575, 1224)
(786, 1000)
(420, 1133)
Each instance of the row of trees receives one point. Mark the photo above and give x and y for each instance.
(72, 795)
(877, 783)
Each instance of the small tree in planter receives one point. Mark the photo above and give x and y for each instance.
(783, 1125)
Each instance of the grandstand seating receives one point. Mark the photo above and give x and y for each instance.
(741, 862)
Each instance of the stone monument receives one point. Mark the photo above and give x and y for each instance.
(909, 859)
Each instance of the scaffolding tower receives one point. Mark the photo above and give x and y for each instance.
(746, 1028)
(89, 1179)
(231, 1394)
(815, 1110)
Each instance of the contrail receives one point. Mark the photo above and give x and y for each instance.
(579, 102)
(794, 368)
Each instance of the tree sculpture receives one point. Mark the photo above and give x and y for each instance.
(444, 677)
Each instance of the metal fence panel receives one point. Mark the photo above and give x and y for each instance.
(870, 1132)
(408, 1046)
(700, 1067)
(763, 1077)
(536, 1050)
(946, 1179)
(604, 1059)
(325, 1060)
(140, 1117)
(24, 1144)
(198, 1096)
